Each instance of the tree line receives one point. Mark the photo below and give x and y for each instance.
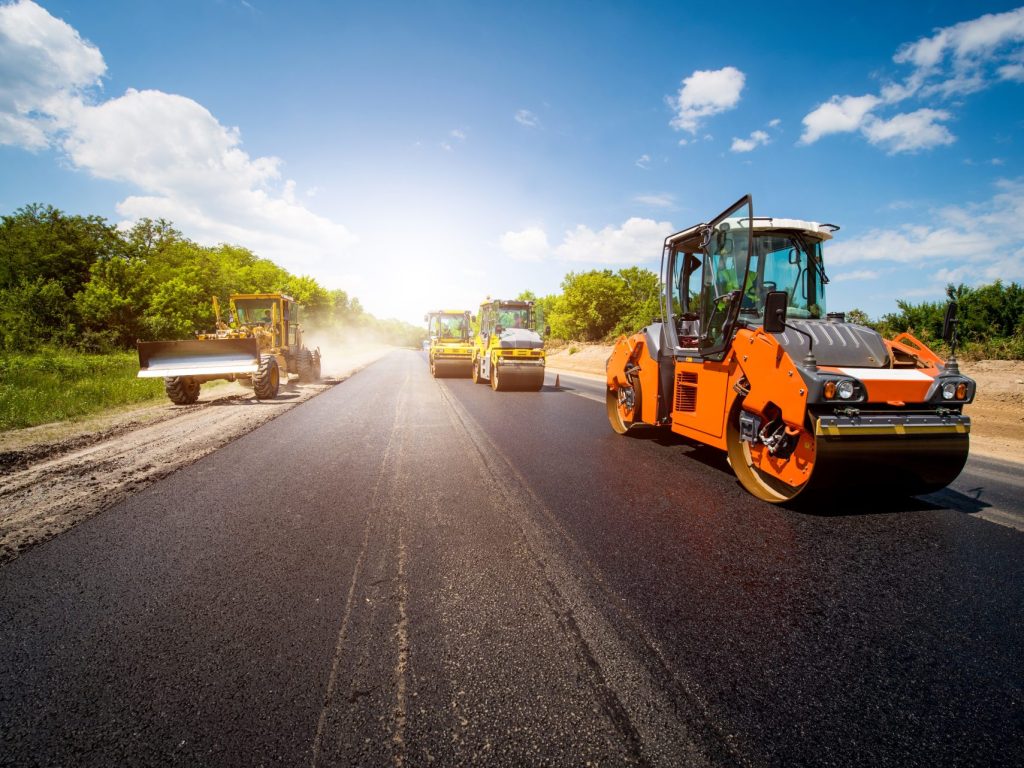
(81, 282)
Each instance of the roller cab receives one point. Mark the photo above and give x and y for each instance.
(450, 348)
(507, 350)
(746, 359)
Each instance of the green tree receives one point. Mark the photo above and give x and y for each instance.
(40, 241)
(591, 305)
(858, 316)
(35, 312)
(112, 303)
(643, 295)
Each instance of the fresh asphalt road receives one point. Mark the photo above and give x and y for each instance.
(405, 571)
(988, 488)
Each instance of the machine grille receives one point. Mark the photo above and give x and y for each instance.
(686, 391)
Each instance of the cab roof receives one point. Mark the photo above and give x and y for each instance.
(690, 238)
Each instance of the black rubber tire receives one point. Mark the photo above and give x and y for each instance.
(267, 380)
(304, 365)
(182, 390)
(477, 377)
(621, 422)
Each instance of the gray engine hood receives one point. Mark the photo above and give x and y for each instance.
(520, 338)
(836, 344)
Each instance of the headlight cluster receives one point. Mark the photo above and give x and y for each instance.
(954, 390)
(842, 389)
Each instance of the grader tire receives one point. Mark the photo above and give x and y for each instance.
(304, 366)
(182, 390)
(267, 380)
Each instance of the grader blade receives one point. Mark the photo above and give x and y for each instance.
(198, 357)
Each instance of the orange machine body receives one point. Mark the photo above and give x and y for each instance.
(813, 399)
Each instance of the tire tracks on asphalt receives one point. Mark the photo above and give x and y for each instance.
(632, 689)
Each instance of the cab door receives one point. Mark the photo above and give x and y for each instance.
(701, 379)
(727, 250)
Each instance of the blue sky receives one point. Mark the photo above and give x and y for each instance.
(429, 154)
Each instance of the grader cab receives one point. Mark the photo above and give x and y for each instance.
(746, 359)
(259, 345)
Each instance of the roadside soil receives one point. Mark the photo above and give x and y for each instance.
(997, 413)
(54, 476)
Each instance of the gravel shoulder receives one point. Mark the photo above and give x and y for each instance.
(997, 413)
(55, 476)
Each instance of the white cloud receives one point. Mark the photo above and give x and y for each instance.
(637, 240)
(458, 133)
(838, 115)
(44, 67)
(953, 61)
(774, 123)
(910, 132)
(187, 167)
(974, 244)
(527, 118)
(530, 244)
(644, 161)
(1013, 72)
(757, 139)
(656, 201)
(859, 274)
(706, 93)
(960, 59)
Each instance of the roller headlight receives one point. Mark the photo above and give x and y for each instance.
(949, 390)
(844, 389)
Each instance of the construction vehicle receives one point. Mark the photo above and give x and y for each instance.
(450, 348)
(259, 345)
(746, 359)
(507, 351)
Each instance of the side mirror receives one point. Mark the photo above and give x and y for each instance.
(949, 322)
(775, 304)
(547, 330)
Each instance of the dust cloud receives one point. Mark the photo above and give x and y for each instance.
(343, 349)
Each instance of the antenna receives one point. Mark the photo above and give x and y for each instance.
(949, 324)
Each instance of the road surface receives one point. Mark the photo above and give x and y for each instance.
(405, 571)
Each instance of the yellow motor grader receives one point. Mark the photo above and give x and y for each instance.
(746, 359)
(259, 345)
(451, 347)
(508, 352)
